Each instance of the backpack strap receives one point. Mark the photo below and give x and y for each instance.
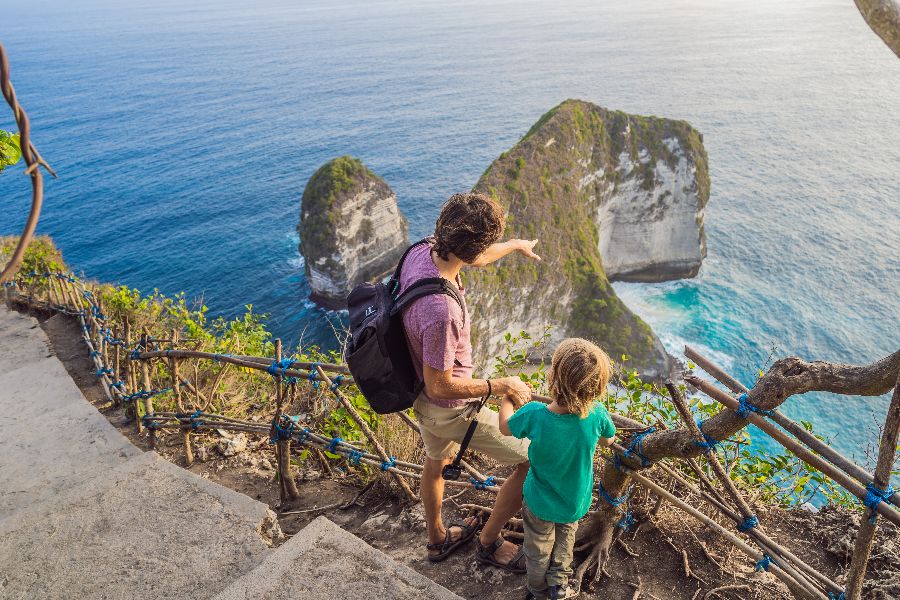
(428, 286)
(394, 283)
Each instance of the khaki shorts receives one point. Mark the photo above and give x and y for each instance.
(444, 428)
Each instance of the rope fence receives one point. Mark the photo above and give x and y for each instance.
(123, 369)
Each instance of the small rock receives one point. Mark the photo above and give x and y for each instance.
(265, 464)
(233, 446)
(414, 517)
(202, 454)
(375, 523)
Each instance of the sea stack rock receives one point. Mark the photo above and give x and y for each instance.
(607, 194)
(351, 230)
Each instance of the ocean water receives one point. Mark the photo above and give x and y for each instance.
(184, 134)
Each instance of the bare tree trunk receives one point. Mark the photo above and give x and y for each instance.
(787, 377)
(867, 523)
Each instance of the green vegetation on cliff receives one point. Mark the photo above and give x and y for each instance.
(338, 178)
(552, 183)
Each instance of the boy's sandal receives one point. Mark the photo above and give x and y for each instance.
(485, 556)
(449, 546)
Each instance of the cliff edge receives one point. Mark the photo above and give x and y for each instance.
(606, 193)
(351, 230)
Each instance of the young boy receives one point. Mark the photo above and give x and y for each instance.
(564, 436)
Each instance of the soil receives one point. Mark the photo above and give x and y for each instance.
(651, 559)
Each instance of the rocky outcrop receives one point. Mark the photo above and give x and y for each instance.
(596, 187)
(351, 230)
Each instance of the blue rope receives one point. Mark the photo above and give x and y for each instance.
(193, 418)
(283, 365)
(483, 485)
(626, 521)
(336, 383)
(141, 394)
(387, 464)
(150, 422)
(333, 444)
(636, 446)
(833, 596)
(763, 563)
(874, 497)
(103, 371)
(313, 376)
(708, 443)
(135, 354)
(94, 354)
(749, 523)
(745, 408)
(609, 498)
(119, 384)
(284, 431)
(303, 436)
(355, 456)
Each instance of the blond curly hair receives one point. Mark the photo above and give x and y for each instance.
(579, 374)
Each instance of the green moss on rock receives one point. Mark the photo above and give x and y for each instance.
(540, 182)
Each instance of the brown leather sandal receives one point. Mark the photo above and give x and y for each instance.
(449, 546)
(485, 556)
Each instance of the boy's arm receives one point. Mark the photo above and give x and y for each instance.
(606, 442)
(497, 251)
(507, 408)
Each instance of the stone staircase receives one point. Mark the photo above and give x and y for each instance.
(86, 514)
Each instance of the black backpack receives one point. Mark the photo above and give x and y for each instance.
(377, 353)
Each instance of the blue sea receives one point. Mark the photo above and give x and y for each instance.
(184, 133)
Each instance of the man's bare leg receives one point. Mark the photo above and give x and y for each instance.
(508, 503)
(431, 492)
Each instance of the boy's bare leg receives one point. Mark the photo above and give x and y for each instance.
(431, 491)
(508, 503)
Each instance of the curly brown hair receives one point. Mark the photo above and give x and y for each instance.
(467, 225)
(579, 374)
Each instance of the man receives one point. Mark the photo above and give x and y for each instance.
(437, 331)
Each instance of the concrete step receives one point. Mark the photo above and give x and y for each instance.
(146, 529)
(50, 436)
(325, 561)
(21, 340)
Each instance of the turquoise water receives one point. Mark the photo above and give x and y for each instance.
(184, 134)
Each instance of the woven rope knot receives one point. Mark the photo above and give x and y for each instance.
(279, 365)
(333, 444)
(764, 563)
(609, 497)
(389, 463)
(875, 496)
(708, 443)
(314, 375)
(626, 521)
(336, 383)
(636, 447)
(745, 408)
(483, 485)
(355, 456)
(749, 523)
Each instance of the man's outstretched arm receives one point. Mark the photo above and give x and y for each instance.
(497, 251)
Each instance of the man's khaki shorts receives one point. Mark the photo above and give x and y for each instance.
(444, 428)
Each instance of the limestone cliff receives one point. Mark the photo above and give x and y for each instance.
(351, 229)
(596, 187)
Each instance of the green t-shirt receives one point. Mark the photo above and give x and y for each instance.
(561, 478)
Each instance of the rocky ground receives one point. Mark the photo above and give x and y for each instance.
(670, 558)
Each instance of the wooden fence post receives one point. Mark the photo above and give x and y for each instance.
(287, 486)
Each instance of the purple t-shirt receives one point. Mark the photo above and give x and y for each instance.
(436, 330)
